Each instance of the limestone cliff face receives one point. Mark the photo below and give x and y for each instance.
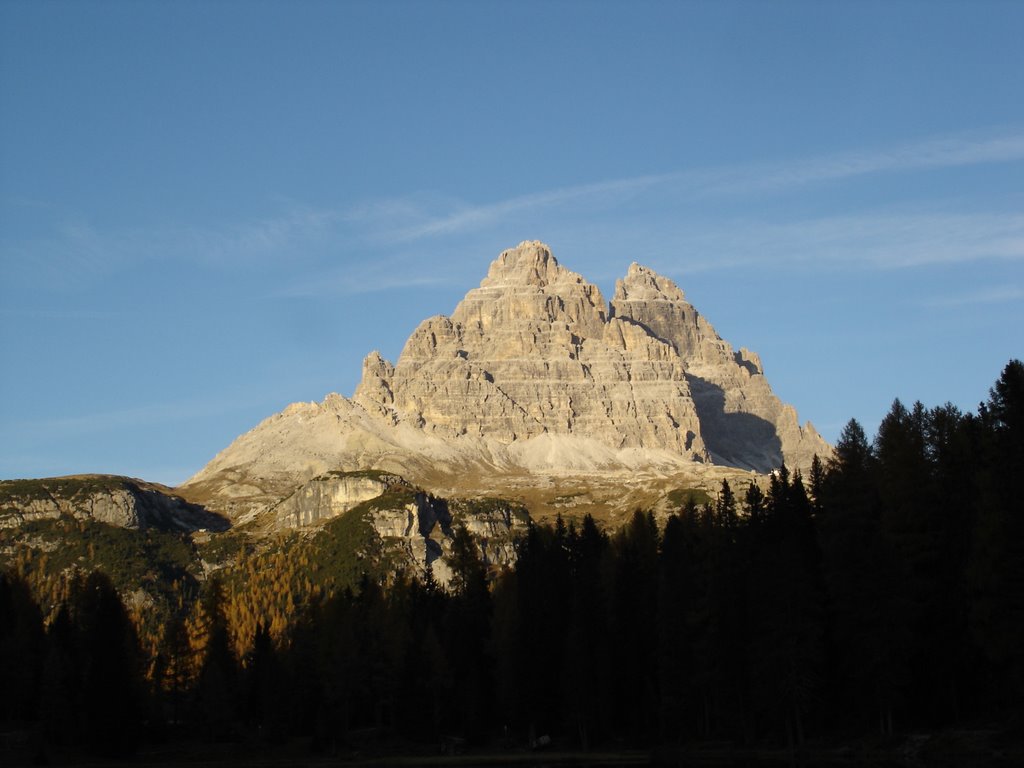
(743, 423)
(119, 501)
(533, 375)
(333, 494)
(413, 527)
(420, 530)
(530, 352)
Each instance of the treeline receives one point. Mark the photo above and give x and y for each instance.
(881, 593)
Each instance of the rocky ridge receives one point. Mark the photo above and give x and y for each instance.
(120, 501)
(389, 525)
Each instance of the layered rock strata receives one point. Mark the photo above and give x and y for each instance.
(532, 374)
(532, 351)
(743, 423)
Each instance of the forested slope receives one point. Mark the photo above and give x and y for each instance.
(882, 593)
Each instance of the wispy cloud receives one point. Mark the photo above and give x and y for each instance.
(927, 154)
(996, 295)
(268, 239)
(356, 285)
(473, 217)
(932, 153)
(873, 239)
(312, 235)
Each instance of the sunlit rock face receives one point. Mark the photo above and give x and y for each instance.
(533, 375)
(532, 351)
(333, 494)
(120, 501)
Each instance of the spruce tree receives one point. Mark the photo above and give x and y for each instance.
(21, 650)
(996, 569)
(217, 684)
(870, 640)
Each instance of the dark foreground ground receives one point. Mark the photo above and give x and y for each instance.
(997, 746)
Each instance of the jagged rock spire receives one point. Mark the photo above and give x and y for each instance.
(534, 370)
(532, 352)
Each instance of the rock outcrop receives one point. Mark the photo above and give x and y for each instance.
(422, 530)
(120, 501)
(415, 530)
(533, 374)
(327, 496)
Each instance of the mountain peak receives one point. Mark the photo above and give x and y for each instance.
(533, 371)
(644, 284)
(529, 263)
(527, 283)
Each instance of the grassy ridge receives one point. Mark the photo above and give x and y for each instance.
(72, 487)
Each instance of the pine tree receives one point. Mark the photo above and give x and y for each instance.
(633, 591)
(920, 525)
(177, 668)
(754, 503)
(21, 650)
(217, 683)
(96, 665)
(264, 688)
(541, 588)
(678, 693)
(996, 569)
(61, 694)
(468, 626)
(786, 614)
(727, 560)
(869, 636)
(585, 692)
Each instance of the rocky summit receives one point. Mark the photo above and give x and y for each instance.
(536, 389)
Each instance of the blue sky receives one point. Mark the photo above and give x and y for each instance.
(211, 210)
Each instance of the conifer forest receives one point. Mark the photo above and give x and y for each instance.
(880, 594)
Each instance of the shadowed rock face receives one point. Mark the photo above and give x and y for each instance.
(534, 374)
(743, 423)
